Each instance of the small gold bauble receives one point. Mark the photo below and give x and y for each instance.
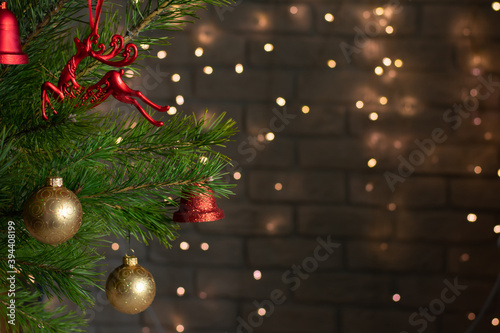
(53, 214)
(130, 288)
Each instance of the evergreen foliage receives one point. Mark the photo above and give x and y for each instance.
(125, 176)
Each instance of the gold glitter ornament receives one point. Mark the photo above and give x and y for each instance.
(130, 288)
(53, 214)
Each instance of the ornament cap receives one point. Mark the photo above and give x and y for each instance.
(130, 261)
(54, 182)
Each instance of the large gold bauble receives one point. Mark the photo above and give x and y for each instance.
(53, 214)
(130, 288)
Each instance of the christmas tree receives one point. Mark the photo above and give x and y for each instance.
(127, 173)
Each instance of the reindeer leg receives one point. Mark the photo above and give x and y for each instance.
(130, 100)
(56, 93)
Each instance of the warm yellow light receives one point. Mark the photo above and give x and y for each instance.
(179, 100)
(472, 218)
(278, 186)
(119, 140)
(129, 73)
(176, 78)
(496, 229)
(391, 207)
(115, 246)
(379, 11)
(237, 175)
(294, 10)
(366, 14)
(261, 312)
(496, 6)
(398, 63)
(172, 110)
(208, 70)
(372, 162)
(180, 328)
(498, 172)
(238, 68)
(387, 61)
(396, 297)
(161, 54)
(373, 116)
(477, 169)
(270, 136)
(329, 17)
(198, 52)
(495, 322)
(144, 46)
(204, 159)
(268, 47)
(471, 316)
(184, 246)
(379, 70)
(204, 246)
(280, 101)
(383, 100)
(332, 63)
(369, 187)
(389, 29)
(360, 104)
(382, 22)
(306, 109)
(257, 275)
(181, 291)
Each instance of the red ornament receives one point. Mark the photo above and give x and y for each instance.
(110, 84)
(11, 52)
(198, 208)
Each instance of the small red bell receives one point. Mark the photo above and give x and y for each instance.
(198, 208)
(11, 52)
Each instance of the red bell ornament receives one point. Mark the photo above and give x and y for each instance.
(11, 52)
(198, 207)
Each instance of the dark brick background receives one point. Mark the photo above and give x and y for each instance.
(406, 242)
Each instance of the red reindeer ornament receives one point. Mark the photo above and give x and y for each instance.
(110, 84)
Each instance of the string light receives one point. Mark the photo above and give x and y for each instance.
(472, 218)
(180, 328)
(373, 116)
(176, 78)
(329, 17)
(306, 109)
(120, 139)
(202, 295)
(172, 110)
(495, 322)
(179, 100)
(360, 104)
(204, 246)
(268, 47)
(145, 46)
(396, 297)
(498, 172)
(161, 54)
(464, 257)
(387, 61)
(280, 101)
(366, 14)
(278, 186)
(369, 187)
(238, 68)
(208, 70)
(294, 10)
(379, 70)
(389, 29)
(477, 169)
(496, 229)
(115, 246)
(198, 52)
(496, 6)
(471, 316)
(237, 175)
(391, 207)
(398, 63)
(262, 312)
(270, 136)
(181, 291)
(383, 100)
(184, 246)
(257, 275)
(372, 162)
(129, 73)
(379, 11)
(332, 63)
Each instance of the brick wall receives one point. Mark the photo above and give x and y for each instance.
(399, 227)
